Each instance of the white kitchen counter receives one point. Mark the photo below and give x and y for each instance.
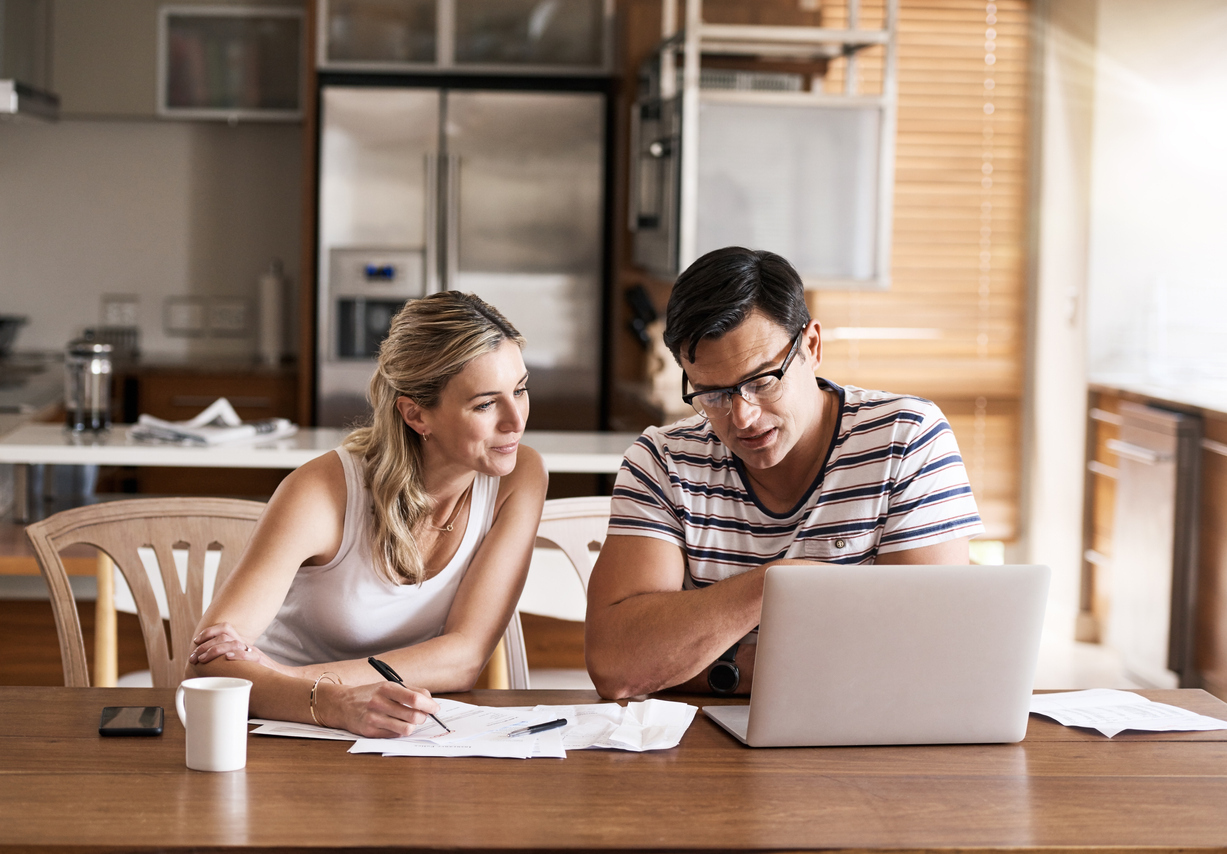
(1206, 395)
(36, 444)
(52, 444)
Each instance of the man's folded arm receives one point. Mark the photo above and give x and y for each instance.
(644, 633)
(949, 553)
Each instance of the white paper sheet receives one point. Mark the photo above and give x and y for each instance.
(1110, 712)
(292, 729)
(466, 720)
(483, 730)
(506, 748)
(642, 726)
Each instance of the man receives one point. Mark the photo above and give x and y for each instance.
(776, 466)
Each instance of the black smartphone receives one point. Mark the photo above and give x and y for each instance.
(131, 720)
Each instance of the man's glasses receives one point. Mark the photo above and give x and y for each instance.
(757, 390)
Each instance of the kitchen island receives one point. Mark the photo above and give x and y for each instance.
(50, 444)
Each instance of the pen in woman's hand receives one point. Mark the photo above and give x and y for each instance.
(392, 676)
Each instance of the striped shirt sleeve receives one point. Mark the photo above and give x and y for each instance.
(642, 501)
(931, 500)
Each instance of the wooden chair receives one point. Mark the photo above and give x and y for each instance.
(576, 526)
(118, 530)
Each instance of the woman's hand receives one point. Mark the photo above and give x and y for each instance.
(374, 710)
(221, 641)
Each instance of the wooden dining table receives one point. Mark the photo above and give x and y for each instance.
(62, 787)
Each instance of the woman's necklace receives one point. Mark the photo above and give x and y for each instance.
(459, 506)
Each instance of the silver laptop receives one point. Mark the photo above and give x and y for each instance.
(858, 655)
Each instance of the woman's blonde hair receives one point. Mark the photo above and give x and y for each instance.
(430, 341)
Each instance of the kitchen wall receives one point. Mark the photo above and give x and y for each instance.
(154, 209)
(1158, 256)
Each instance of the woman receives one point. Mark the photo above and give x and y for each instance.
(410, 542)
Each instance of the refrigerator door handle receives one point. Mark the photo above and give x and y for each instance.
(432, 223)
(452, 207)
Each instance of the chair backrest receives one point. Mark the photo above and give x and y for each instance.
(576, 526)
(119, 529)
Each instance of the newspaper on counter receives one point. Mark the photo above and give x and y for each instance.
(1110, 711)
(217, 425)
(487, 730)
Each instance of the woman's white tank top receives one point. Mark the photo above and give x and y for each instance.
(346, 610)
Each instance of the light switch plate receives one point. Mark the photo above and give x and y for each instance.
(119, 310)
(228, 317)
(183, 316)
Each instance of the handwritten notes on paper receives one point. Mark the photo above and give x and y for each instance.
(484, 730)
(1111, 712)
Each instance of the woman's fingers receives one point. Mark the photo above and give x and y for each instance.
(388, 710)
(221, 640)
(216, 630)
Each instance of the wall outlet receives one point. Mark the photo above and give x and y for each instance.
(119, 310)
(183, 316)
(228, 317)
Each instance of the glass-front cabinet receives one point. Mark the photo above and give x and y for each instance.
(230, 62)
(521, 36)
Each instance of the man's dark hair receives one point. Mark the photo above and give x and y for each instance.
(715, 293)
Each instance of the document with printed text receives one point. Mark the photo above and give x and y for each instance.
(497, 731)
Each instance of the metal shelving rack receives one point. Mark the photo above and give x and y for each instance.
(696, 38)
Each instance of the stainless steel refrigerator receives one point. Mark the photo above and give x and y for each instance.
(495, 192)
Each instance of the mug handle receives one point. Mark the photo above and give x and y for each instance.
(179, 706)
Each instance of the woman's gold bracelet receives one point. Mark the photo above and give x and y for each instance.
(331, 677)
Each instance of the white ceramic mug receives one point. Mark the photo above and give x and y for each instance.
(213, 710)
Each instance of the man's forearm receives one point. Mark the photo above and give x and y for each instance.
(653, 641)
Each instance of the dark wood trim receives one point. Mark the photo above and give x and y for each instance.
(307, 255)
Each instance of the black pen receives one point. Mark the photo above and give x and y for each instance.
(392, 676)
(536, 728)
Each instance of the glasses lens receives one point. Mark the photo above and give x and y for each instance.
(763, 390)
(711, 404)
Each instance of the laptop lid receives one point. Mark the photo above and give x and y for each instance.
(860, 655)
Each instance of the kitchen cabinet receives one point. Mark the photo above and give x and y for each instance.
(1153, 539)
(1210, 629)
(25, 41)
(230, 64)
(104, 57)
(522, 36)
(1205, 546)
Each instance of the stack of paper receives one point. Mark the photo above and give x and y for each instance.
(216, 425)
(485, 730)
(1111, 711)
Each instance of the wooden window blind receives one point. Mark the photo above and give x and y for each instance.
(952, 326)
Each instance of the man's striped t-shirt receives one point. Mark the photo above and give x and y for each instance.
(893, 480)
